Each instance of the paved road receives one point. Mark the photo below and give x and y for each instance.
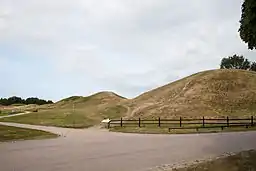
(99, 150)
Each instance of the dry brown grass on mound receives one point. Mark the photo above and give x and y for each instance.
(210, 93)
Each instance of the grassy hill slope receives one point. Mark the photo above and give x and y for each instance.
(76, 111)
(208, 93)
(212, 93)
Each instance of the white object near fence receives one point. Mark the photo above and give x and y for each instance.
(105, 120)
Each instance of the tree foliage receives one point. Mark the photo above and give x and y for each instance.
(253, 66)
(237, 62)
(247, 28)
(18, 100)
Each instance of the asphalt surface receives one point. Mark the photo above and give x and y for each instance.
(100, 150)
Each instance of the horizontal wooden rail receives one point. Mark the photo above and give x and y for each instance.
(183, 123)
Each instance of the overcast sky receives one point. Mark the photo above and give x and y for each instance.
(57, 48)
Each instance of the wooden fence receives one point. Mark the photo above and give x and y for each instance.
(185, 123)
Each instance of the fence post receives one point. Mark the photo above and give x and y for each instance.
(252, 121)
(121, 122)
(109, 124)
(203, 121)
(180, 121)
(227, 121)
(159, 122)
(139, 122)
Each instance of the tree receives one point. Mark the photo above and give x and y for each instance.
(235, 62)
(15, 100)
(253, 66)
(247, 28)
(18, 100)
(49, 102)
(4, 101)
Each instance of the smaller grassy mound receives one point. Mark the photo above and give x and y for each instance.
(243, 161)
(75, 111)
(8, 133)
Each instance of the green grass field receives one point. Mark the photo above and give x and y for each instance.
(244, 161)
(60, 118)
(3, 114)
(8, 112)
(67, 117)
(8, 133)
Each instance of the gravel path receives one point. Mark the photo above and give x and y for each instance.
(99, 150)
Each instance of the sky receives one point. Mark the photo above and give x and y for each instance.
(55, 49)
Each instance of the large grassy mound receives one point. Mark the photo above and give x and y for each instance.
(209, 93)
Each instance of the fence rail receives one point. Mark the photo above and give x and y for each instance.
(185, 123)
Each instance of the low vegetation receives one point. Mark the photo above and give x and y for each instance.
(244, 161)
(8, 133)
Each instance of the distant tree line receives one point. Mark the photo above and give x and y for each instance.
(19, 100)
(237, 62)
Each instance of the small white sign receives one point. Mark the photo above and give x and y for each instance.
(105, 120)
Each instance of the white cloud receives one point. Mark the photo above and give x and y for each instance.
(126, 46)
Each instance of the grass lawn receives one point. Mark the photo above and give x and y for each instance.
(3, 114)
(67, 117)
(61, 118)
(156, 130)
(9, 112)
(8, 133)
(244, 161)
